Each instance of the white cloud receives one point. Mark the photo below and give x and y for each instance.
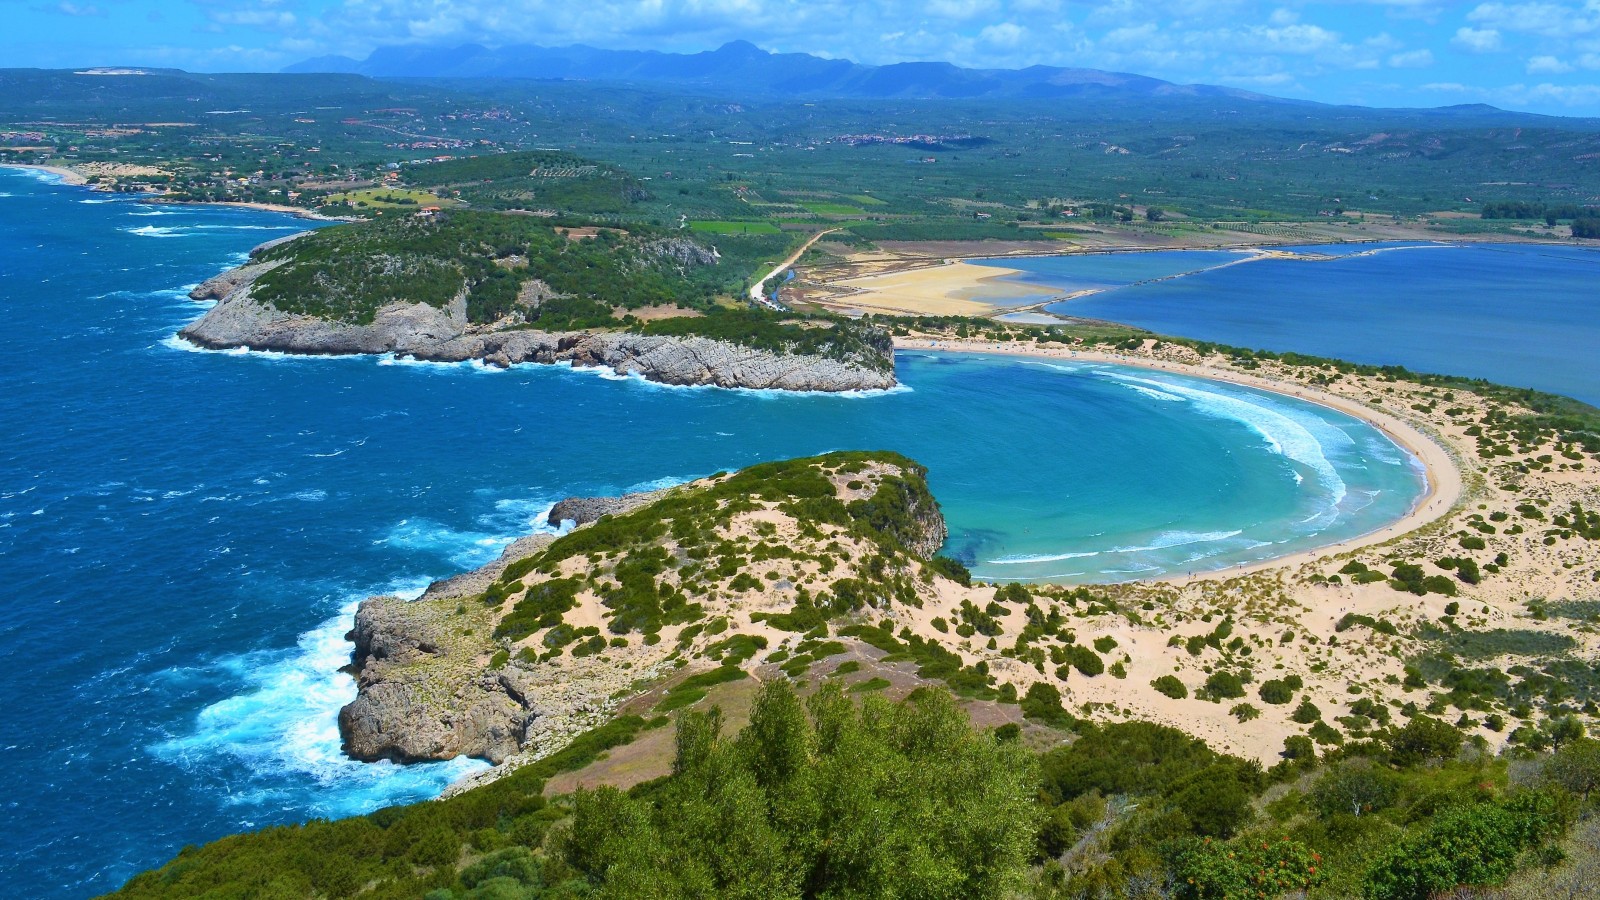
(1547, 19)
(1478, 40)
(1005, 34)
(1523, 96)
(256, 18)
(1547, 65)
(66, 7)
(1412, 59)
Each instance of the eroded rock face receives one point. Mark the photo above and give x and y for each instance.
(444, 708)
(583, 510)
(445, 335)
(238, 320)
(932, 530)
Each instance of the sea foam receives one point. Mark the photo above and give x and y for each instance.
(1284, 434)
(285, 721)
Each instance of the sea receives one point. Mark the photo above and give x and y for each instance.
(1525, 315)
(184, 535)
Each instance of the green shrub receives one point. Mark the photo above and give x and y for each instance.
(1467, 846)
(1276, 691)
(1085, 660)
(1042, 703)
(951, 569)
(1208, 870)
(1170, 686)
(1224, 685)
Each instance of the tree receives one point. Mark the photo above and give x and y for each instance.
(1469, 846)
(1563, 731)
(818, 800)
(696, 738)
(1576, 767)
(1424, 738)
(1354, 788)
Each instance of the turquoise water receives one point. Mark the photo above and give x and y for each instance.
(183, 534)
(1519, 314)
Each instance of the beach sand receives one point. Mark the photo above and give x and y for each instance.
(67, 175)
(950, 289)
(299, 211)
(1286, 610)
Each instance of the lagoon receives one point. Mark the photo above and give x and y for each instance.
(1525, 315)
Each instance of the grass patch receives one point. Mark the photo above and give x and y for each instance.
(1579, 610)
(823, 208)
(388, 198)
(871, 684)
(1479, 645)
(730, 227)
(693, 689)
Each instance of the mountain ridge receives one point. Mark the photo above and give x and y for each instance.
(749, 68)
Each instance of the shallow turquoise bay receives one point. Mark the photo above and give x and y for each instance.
(184, 534)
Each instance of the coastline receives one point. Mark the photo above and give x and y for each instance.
(296, 211)
(74, 178)
(66, 175)
(1442, 476)
(983, 284)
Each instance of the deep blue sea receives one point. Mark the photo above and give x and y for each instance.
(184, 534)
(1526, 315)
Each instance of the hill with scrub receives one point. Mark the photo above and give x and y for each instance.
(751, 686)
(457, 284)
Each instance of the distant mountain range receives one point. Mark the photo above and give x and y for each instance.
(745, 68)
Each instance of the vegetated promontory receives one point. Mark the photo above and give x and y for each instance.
(507, 287)
(763, 698)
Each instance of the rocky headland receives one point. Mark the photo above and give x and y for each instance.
(444, 334)
(507, 663)
(427, 690)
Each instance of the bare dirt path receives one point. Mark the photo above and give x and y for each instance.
(758, 291)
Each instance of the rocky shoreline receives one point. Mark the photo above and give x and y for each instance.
(435, 334)
(427, 688)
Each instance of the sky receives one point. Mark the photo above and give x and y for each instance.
(1542, 56)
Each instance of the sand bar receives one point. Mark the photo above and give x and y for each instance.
(952, 289)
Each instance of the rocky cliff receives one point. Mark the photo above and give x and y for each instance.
(444, 335)
(430, 687)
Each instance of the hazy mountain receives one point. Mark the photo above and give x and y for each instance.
(745, 68)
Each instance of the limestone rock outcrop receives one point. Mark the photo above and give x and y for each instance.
(437, 334)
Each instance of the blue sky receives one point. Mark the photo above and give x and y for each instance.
(1542, 56)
